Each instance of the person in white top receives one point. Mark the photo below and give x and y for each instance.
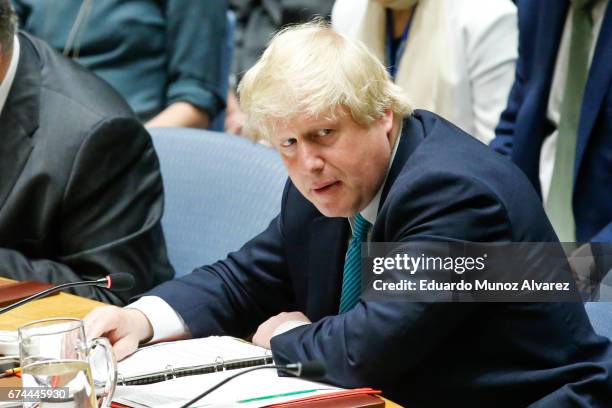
(452, 57)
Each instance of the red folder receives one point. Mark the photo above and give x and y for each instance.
(354, 398)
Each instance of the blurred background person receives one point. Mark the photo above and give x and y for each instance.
(81, 192)
(163, 56)
(557, 126)
(256, 23)
(453, 57)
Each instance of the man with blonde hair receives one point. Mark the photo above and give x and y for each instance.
(363, 167)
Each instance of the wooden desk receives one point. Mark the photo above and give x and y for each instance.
(61, 305)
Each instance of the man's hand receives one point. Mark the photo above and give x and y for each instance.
(125, 328)
(180, 114)
(265, 331)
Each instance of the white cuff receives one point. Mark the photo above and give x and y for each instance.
(290, 325)
(166, 322)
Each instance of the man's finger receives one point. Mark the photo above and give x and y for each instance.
(100, 321)
(125, 347)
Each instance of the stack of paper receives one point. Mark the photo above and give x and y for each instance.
(260, 388)
(256, 389)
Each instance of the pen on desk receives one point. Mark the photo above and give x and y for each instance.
(286, 394)
(10, 372)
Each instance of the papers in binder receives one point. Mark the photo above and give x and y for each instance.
(165, 361)
(164, 376)
(252, 390)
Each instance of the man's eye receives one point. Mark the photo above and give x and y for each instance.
(324, 132)
(288, 142)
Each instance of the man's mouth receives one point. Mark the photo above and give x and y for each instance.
(324, 187)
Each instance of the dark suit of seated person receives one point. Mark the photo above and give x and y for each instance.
(357, 154)
(80, 188)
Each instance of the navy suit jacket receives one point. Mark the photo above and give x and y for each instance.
(523, 125)
(443, 185)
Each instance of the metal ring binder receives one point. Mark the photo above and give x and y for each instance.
(173, 371)
(170, 369)
(219, 363)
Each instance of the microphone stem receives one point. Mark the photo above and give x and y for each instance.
(47, 292)
(208, 391)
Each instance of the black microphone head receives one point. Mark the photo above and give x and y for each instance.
(312, 369)
(120, 281)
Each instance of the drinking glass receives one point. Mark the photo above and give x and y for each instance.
(56, 361)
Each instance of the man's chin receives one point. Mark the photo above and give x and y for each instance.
(333, 211)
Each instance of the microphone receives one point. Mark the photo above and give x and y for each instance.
(308, 369)
(118, 281)
(114, 281)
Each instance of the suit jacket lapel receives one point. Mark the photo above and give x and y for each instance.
(548, 37)
(541, 65)
(19, 119)
(598, 84)
(328, 245)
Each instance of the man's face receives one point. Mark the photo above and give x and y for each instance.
(337, 164)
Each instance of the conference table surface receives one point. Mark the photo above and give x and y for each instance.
(65, 305)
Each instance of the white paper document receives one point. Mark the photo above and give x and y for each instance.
(256, 389)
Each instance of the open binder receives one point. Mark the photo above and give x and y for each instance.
(171, 372)
(165, 361)
(143, 375)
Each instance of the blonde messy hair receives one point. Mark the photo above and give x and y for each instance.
(311, 69)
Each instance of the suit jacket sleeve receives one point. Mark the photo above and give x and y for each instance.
(109, 219)
(361, 347)
(504, 133)
(196, 32)
(235, 295)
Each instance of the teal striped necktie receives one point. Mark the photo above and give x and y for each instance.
(351, 279)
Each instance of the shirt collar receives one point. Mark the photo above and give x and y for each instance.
(5, 86)
(371, 210)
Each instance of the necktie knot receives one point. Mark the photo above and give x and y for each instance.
(361, 227)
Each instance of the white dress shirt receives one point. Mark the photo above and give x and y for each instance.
(168, 324)
(549, 146)
(7, 82)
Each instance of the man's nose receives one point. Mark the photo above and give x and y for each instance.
(311, 159)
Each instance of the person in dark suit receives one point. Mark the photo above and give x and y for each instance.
(558, 122)
(364, 167)
(562, 95)
(80, 188)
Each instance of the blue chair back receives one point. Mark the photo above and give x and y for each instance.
(220, 191)
(600, 315)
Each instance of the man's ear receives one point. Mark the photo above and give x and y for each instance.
(387, 121)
